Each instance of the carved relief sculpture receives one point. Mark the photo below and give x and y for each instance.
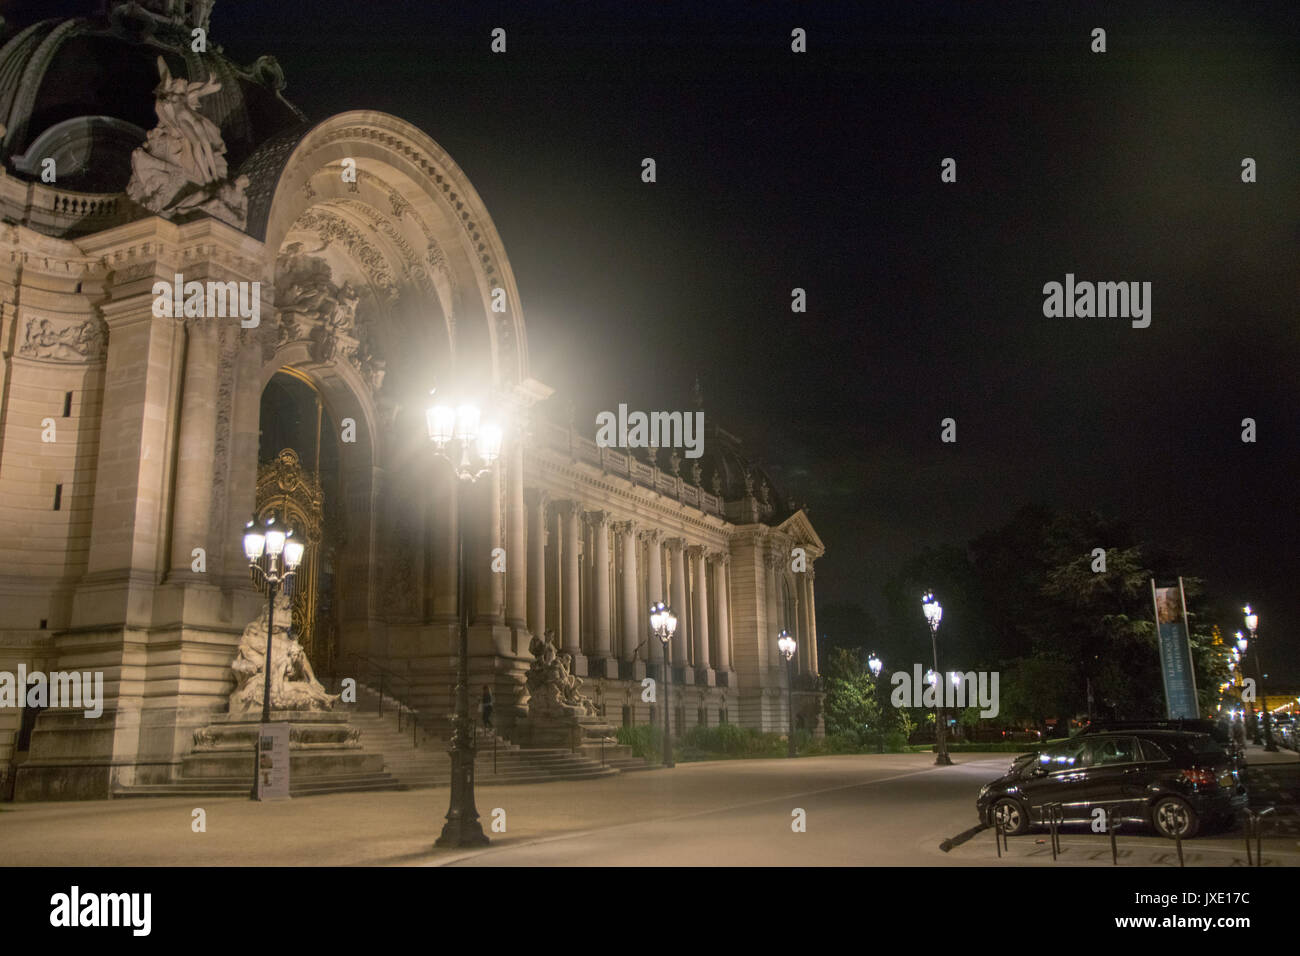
(72, 343)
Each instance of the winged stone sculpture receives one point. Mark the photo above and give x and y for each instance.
(182, 165)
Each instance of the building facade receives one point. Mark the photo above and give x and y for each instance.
(147, 187)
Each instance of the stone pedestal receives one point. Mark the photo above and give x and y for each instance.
(321, 743)
(606, 667)
(569, 733)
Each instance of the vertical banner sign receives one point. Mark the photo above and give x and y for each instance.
(273, 762)
(1175, 651)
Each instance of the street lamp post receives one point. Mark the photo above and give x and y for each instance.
(1252, 622)
(274, 540)
(933, 614)
(472, 450)
(663, 622)
(786, 645)
(874, 663)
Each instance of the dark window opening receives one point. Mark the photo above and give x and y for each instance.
(58, 497)
(67, 404)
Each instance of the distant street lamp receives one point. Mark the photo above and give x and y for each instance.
(933, 615)
(472, 450)
(663, 622)
(786, 645)
(1252, 622)
(272, 539)
(875, 664)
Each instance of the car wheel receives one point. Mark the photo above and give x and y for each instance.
(1011, 815)
(1173, 817)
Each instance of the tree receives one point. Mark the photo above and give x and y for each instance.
(851, 706)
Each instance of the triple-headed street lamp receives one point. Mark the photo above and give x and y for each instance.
(663, 622)
(786, 645)
(274, 540)
(472, 449)
(1252, 622)
(933, 615)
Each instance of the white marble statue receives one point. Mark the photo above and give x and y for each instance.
(293, 683)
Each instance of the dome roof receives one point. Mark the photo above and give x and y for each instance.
(81, 91)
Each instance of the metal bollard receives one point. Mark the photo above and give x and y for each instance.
(1178, 842)
(997, 834)
(1114, 850)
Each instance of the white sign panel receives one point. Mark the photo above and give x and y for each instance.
(273, 762)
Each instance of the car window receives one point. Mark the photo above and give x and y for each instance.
(1113, 750)
(1151, 751)
(1071, 755)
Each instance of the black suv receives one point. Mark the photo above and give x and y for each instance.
(1173, 781)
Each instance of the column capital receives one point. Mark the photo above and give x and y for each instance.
(697, 551)
(676, 544)
(651, 535)
(627, 528)
(538, 497)
(596, 518)
(566, 506)
(774, 560)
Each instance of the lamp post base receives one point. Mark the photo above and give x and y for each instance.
(462, 827)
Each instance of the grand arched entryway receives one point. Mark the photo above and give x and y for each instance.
(298, 480)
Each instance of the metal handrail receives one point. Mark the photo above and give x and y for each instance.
(403, 702)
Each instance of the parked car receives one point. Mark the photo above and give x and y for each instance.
(1173, 781)
(1219, 730)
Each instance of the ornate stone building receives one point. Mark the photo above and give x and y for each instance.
(136, 439)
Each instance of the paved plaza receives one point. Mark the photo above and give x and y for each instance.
(890, 809)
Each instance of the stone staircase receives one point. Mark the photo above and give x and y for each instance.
(420, 759)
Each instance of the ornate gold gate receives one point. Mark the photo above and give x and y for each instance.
(283, 488)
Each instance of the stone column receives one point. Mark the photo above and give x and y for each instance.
(600, 605)
(516, 555)
(571, 638)
(813, 657)
(537, 562)
(196, 438)
(722, 604)
(488, 586)
(806, 640)
(443, 583)
(677, 552)
(772, 562)
(654, 587)
(700, 632)
(631, 611)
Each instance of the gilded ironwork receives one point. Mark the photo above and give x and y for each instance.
(284, 488)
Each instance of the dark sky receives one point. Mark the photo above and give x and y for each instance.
(821, 171)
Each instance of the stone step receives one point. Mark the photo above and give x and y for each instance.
(234, 787)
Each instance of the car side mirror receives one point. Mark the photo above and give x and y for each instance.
(1038, 771)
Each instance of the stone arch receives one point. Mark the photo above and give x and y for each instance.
(437, 233)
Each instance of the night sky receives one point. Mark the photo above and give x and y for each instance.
(925, 300)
